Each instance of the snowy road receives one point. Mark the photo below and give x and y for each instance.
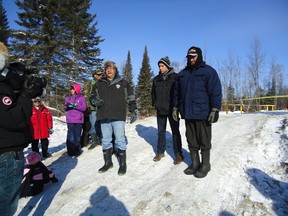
(248, 175)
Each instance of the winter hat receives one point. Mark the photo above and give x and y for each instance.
(36, 99)
(98, 70)
(192, 52)
(33, 158)
(165, 60)
(110, 64)
(77, 88)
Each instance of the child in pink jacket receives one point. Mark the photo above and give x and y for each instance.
(35, 175)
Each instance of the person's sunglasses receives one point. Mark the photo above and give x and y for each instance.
(98, 74)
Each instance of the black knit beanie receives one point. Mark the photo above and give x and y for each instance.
(165, 60)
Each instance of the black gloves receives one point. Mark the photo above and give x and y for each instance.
(175, 114)
(133, 116)
(213, 116)
(31, 90)
(54, 179)
(51, 131)
(97, 103)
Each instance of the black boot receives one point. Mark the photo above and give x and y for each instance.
(122, 162)
(95, 141)
(107, 154)
(195, 163)
(205, 166)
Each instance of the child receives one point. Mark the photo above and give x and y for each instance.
(41, 126)
(36, 174)
(75, 106)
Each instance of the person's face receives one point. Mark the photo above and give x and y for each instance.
(163, 68)
(72, 91)
(2, 61)
(98, 75)
(192, 59)
(37, 103)
(110, 73)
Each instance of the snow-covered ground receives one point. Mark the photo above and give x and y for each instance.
(249, 160)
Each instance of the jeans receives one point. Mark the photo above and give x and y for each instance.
(11, 171)
(74, 137)
(176, 136)
(92, 118)
(108, 127)
(95, 126)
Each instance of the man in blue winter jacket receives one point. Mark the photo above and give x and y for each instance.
(197, 97)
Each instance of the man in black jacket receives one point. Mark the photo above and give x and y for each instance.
(15, 112)
(162, 93)
(111, 95)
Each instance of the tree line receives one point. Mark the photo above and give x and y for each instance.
(61, 39)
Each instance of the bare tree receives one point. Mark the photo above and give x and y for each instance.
(256, 62)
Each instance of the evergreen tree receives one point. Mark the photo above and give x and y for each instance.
(37, 43)
(127, 71)
(79, 38)
(59, 38)
(144, 86)
(271, 92)
(4, 27)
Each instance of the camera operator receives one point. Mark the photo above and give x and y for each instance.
(16, 93)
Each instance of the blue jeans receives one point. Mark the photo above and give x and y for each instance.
(108, 127)
(73, 138)
(11, 172)
(92, 119)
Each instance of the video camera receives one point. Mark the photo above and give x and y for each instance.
(29, 75)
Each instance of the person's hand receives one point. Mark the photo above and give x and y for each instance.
(213, 116)
(72, 105)
(175, 114)
(30, 90)
(133, 116)
(51, 131)
(98, 103)
(54, 179)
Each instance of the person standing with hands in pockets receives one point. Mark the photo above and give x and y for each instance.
(162, 100)
(111, 95)
(198, 96)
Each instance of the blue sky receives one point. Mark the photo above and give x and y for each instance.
(170, 27)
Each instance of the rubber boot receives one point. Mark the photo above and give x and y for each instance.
(205, 166)
(122, 162)
(195, 163)
(107, 154)
(94, 141)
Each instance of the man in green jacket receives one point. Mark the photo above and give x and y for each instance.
(95, 130)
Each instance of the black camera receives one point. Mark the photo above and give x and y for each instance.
(29, 76)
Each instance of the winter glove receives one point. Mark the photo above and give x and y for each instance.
(133, 116)
(51, 131)
(30, 90)
(213, 116)
(72, 105)
(175, 114)
(54, 179)
(97, 103)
